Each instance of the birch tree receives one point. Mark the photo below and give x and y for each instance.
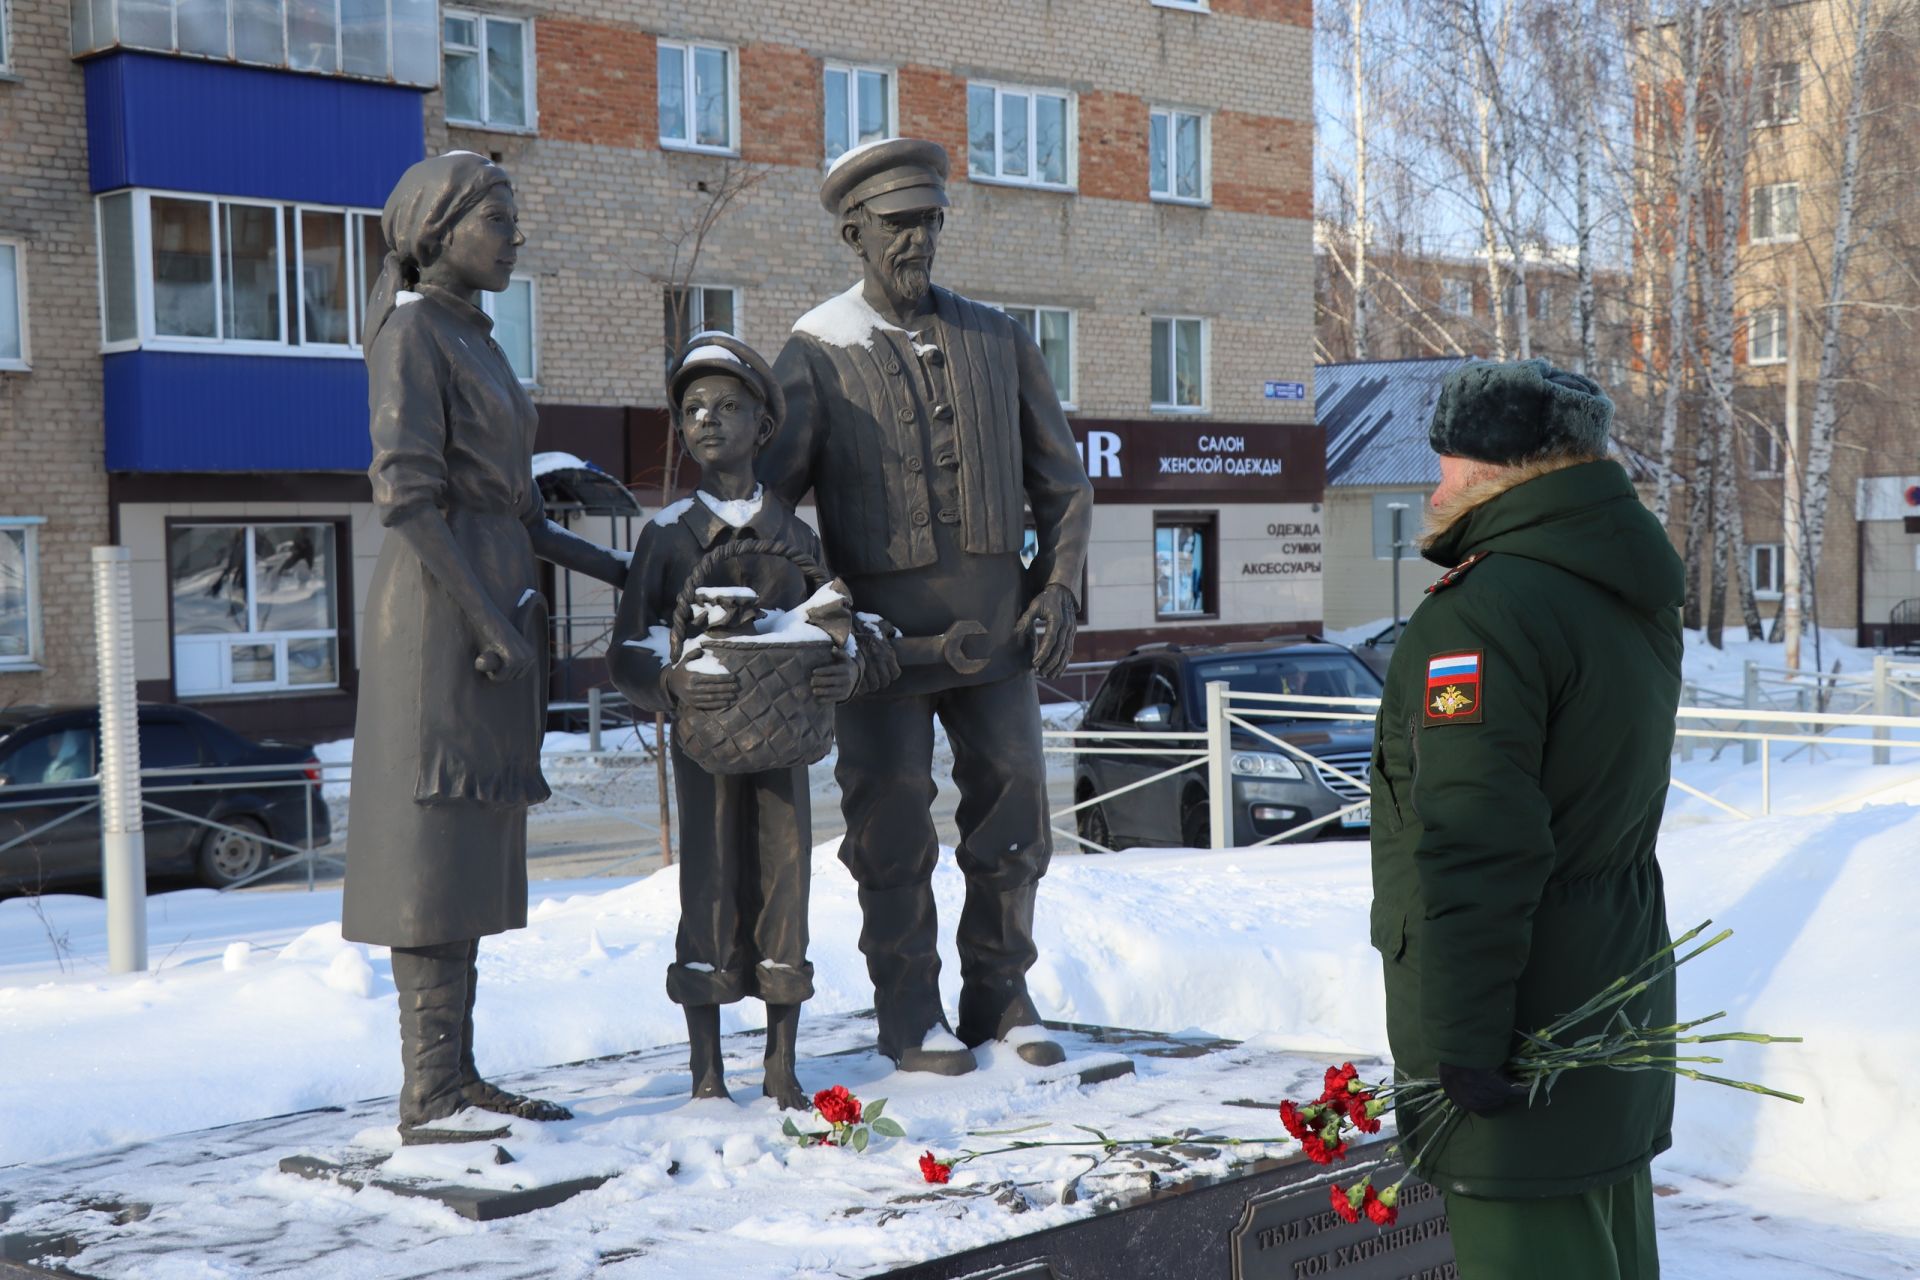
(1720, 260)
(1825, 418)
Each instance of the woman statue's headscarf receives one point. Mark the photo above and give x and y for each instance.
(429, 199)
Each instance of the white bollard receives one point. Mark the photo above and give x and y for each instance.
(123, 844)
(1219, 767)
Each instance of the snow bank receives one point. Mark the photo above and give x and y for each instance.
(1240, 943)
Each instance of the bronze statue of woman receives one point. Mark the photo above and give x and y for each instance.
(453, 675)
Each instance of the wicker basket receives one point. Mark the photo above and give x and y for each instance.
(776, 722)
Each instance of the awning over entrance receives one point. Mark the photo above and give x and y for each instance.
(573, 485)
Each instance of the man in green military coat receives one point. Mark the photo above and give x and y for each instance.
(1520, 768)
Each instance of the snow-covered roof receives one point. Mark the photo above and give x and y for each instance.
(1376, 414)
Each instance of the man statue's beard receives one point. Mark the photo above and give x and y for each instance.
(911, 280)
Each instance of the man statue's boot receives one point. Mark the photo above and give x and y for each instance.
(484, 1094)
(996, 948)
(898, 935)
(432, 985)
(783, 1036)
(703, 1052)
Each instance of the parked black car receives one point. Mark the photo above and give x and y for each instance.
(49, 756)
(1162, 688)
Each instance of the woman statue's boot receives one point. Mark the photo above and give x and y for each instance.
(484, 1094)
(703, 1051)
(432, 983)
(783, 1031)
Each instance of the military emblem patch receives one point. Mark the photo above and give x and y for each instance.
(1453, 688)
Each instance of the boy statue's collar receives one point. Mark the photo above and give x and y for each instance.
(708, 528)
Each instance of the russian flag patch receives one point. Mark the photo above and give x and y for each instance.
(1453, 688)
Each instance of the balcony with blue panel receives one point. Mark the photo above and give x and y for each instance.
(240, 151)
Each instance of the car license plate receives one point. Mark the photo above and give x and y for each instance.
(1361, 817)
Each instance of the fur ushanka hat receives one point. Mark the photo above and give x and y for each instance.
(1514, 411)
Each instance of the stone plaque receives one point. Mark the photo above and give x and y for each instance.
(1294, 1234)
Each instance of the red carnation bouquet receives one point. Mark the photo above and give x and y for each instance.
(850, 1122)
(1348, 1106)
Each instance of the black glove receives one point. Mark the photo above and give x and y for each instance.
(1478, 1090)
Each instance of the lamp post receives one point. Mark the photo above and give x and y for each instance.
(1397, 514)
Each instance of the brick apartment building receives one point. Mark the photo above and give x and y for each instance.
(1131, 177)
(1800, 53)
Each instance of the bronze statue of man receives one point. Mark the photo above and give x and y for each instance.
(927, 427)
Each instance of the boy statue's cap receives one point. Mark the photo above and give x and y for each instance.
(716, 352)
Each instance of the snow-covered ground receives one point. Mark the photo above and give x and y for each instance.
(256, 1006)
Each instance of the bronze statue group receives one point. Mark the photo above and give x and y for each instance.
(925, 426)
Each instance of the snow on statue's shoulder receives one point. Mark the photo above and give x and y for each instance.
(667, 516)
(844, 320)
(402, 297)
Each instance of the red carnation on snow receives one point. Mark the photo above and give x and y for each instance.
(1295, 1122)
(934, 1170)
(837, 1106)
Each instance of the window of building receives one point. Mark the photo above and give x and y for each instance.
(6, 38)
(1191, 6)
(860, 108)
(489, 70)
(698, 309)
(1543, 305)
(1768, 576)
(515, 327)
(1780, 93)
(697, 99)
(1185, 577)
(1775, 214)
(385, 40)
(1767, 336)
(1179, 362)
(254, 276)
(1019, 135)
(1769, 450)
(255, 607)
(1052, 329)
(1456, 296)
(19, 591)
(13, 301)
(1177, 155)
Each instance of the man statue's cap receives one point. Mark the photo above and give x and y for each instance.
(716, 352)
(893, 175)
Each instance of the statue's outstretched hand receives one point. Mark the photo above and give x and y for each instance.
(1053, 613)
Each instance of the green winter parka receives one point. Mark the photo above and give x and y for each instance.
(1520, 768)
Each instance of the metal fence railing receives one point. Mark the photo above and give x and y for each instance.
(306, 837)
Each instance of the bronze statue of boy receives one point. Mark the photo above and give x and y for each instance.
(745, 838)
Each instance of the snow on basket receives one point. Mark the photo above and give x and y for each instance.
(775, 722)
